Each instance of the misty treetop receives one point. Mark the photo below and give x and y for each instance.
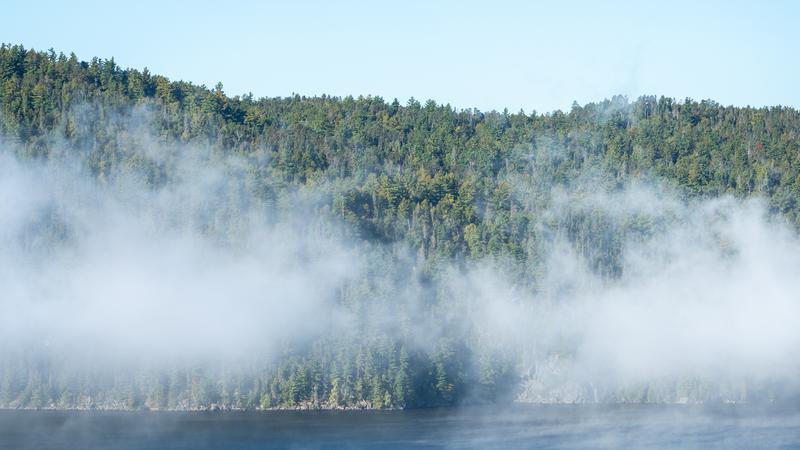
(425, 188)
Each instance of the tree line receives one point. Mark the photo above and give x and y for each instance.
(448, 185)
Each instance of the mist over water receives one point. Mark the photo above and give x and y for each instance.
(523, 427)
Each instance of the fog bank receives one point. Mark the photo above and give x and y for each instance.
(636, 289)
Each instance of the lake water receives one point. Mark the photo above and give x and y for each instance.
(517, 427)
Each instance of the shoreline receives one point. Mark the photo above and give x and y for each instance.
(219, 409)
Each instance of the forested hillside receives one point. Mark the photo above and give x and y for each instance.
(422, 190)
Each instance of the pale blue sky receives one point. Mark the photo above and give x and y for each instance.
(488, 54)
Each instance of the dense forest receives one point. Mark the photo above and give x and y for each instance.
(422, 188)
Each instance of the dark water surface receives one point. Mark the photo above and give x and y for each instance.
(517, 427)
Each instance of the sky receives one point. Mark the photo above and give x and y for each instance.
(530, 55)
